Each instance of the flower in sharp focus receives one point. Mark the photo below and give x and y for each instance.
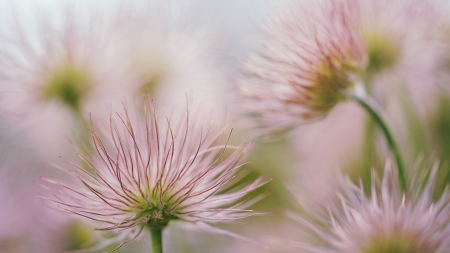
(305, 67)
(57, 68)
(387, 221)
(148, 172)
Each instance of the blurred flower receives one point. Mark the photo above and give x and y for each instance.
(306, 65)
(399, 35)
(387, 221)
(167, 55)
(403, 49)
(149, 173)
(57, 69)
(314, 54)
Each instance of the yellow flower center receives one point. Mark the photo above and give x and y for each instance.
(383, 52)
(329, 85)
(150, 69)
(393, 244)
(150, 83)
(68, 84)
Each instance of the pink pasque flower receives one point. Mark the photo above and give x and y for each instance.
(315, 54)
(305, 66)
(388, 220)
(56, 70)
(150, 171)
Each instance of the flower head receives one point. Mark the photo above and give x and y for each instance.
(64, 64)
(315, 54)
(306, 66)
(166, 54)
(398, 35)
(387, 221)
(150, 171)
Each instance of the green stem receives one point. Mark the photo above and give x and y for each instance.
(156, 235)
(373, 109)
(84, 138)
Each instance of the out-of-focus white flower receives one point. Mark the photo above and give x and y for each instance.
(55, 69)
(399, 36)
(168, 55)
(150, 171)
(387, 221)
(403, 49)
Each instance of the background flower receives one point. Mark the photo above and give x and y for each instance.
(56, 70)
(168, 54)
(305, 66)
(310, 156)
(387, 220)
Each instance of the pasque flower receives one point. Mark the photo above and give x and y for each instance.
(314, 54)
(55, 70)
(305, 66)
(399, 36)
(149, 171)
(387, 221)
(166, 54)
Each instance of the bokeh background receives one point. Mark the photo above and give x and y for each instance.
(195, 47)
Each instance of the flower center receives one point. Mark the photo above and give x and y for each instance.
(383, 52)
(392, 244)
(68, 84)
(150, 70)
(157, 216)
(150, 84)
(153, 212)
(330, 84)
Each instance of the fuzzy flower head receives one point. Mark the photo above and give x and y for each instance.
(315, 53)
(387, 221)
(63, 64)
(151, 171)
(63, 58)
(306, 65)
(399, 36)
(166, 53)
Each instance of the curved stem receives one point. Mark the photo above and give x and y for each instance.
(156, 235)
(373, 109)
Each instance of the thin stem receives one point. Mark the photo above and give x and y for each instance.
(156, 235)
(84, 138)
(373, 109)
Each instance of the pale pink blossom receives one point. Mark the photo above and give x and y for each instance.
(305, 66)
(389, 220)
(150, 171)
(168, 55)
(56, 67)
(403, 48)
(315, 53)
